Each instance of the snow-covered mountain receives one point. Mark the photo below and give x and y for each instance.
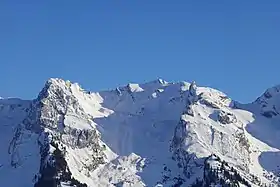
(154, 134)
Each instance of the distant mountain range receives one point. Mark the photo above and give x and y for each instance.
(154, 134)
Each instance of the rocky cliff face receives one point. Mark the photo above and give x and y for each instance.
(210, 129)
(153, 134)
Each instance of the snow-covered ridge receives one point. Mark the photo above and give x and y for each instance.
(152, 134)
(268, 102)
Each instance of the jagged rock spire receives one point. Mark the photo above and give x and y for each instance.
(192, 97)
(192, 88)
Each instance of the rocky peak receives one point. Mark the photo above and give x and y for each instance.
(192, 94)
(93, 138)
(270, 92)
(60, 117)
(55, 86)
(269, 102)
(193, 88)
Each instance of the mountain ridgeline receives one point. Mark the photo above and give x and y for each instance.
(154, 134)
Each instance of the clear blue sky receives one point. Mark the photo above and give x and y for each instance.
(229, 45)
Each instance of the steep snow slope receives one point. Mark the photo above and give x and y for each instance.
(19, 157)
(215, 127)
(152, 134)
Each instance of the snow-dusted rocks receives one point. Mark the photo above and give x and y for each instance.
(163, 82)
(268, 102)
(226, 117)
(192, 93)
(189, 110)
(63, 124)
(134, 88)
(152, 134)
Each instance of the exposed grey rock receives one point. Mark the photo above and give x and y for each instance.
(189, 111)
(46, 117)
(192, 94)
(226, 117)
(209, 103)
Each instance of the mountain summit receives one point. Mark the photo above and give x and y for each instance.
(153, 134)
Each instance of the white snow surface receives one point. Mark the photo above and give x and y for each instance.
(137, 124)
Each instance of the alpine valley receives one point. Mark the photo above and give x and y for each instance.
(156, 134)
